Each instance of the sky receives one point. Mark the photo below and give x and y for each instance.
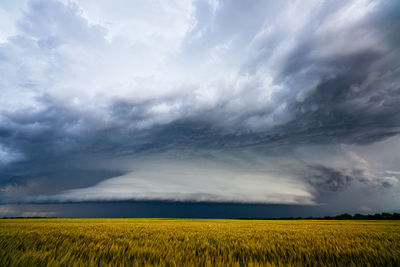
(199, 108)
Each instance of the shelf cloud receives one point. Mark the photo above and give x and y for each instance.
(283, 102)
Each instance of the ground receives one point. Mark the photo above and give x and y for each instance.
(183, 242)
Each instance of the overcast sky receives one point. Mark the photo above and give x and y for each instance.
(293, 105)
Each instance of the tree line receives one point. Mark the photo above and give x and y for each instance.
(344, 216)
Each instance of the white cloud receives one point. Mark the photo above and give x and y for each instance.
(194, 181)
(10, 11)
(393, 172)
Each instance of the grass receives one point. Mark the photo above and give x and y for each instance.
(184, 242)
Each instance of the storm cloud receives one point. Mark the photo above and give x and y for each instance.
(276, 102)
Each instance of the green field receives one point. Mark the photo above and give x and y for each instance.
(175, 242)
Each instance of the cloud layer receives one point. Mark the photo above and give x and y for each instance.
(133, 92)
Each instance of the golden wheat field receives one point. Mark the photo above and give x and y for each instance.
(186, 242)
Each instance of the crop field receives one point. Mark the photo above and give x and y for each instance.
(186, 242)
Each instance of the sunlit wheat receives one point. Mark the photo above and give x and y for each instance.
(170, 242)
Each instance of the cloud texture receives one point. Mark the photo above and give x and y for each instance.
(261, 102)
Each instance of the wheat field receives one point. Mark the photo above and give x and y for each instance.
(187, 242)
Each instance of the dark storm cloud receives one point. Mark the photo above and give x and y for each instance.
(327, 179)
(336, 84)
(356, 70)
(357, 96)
(356, 101)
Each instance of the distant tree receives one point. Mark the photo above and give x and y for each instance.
(359, 216)
(377, 216)
(344, 216)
